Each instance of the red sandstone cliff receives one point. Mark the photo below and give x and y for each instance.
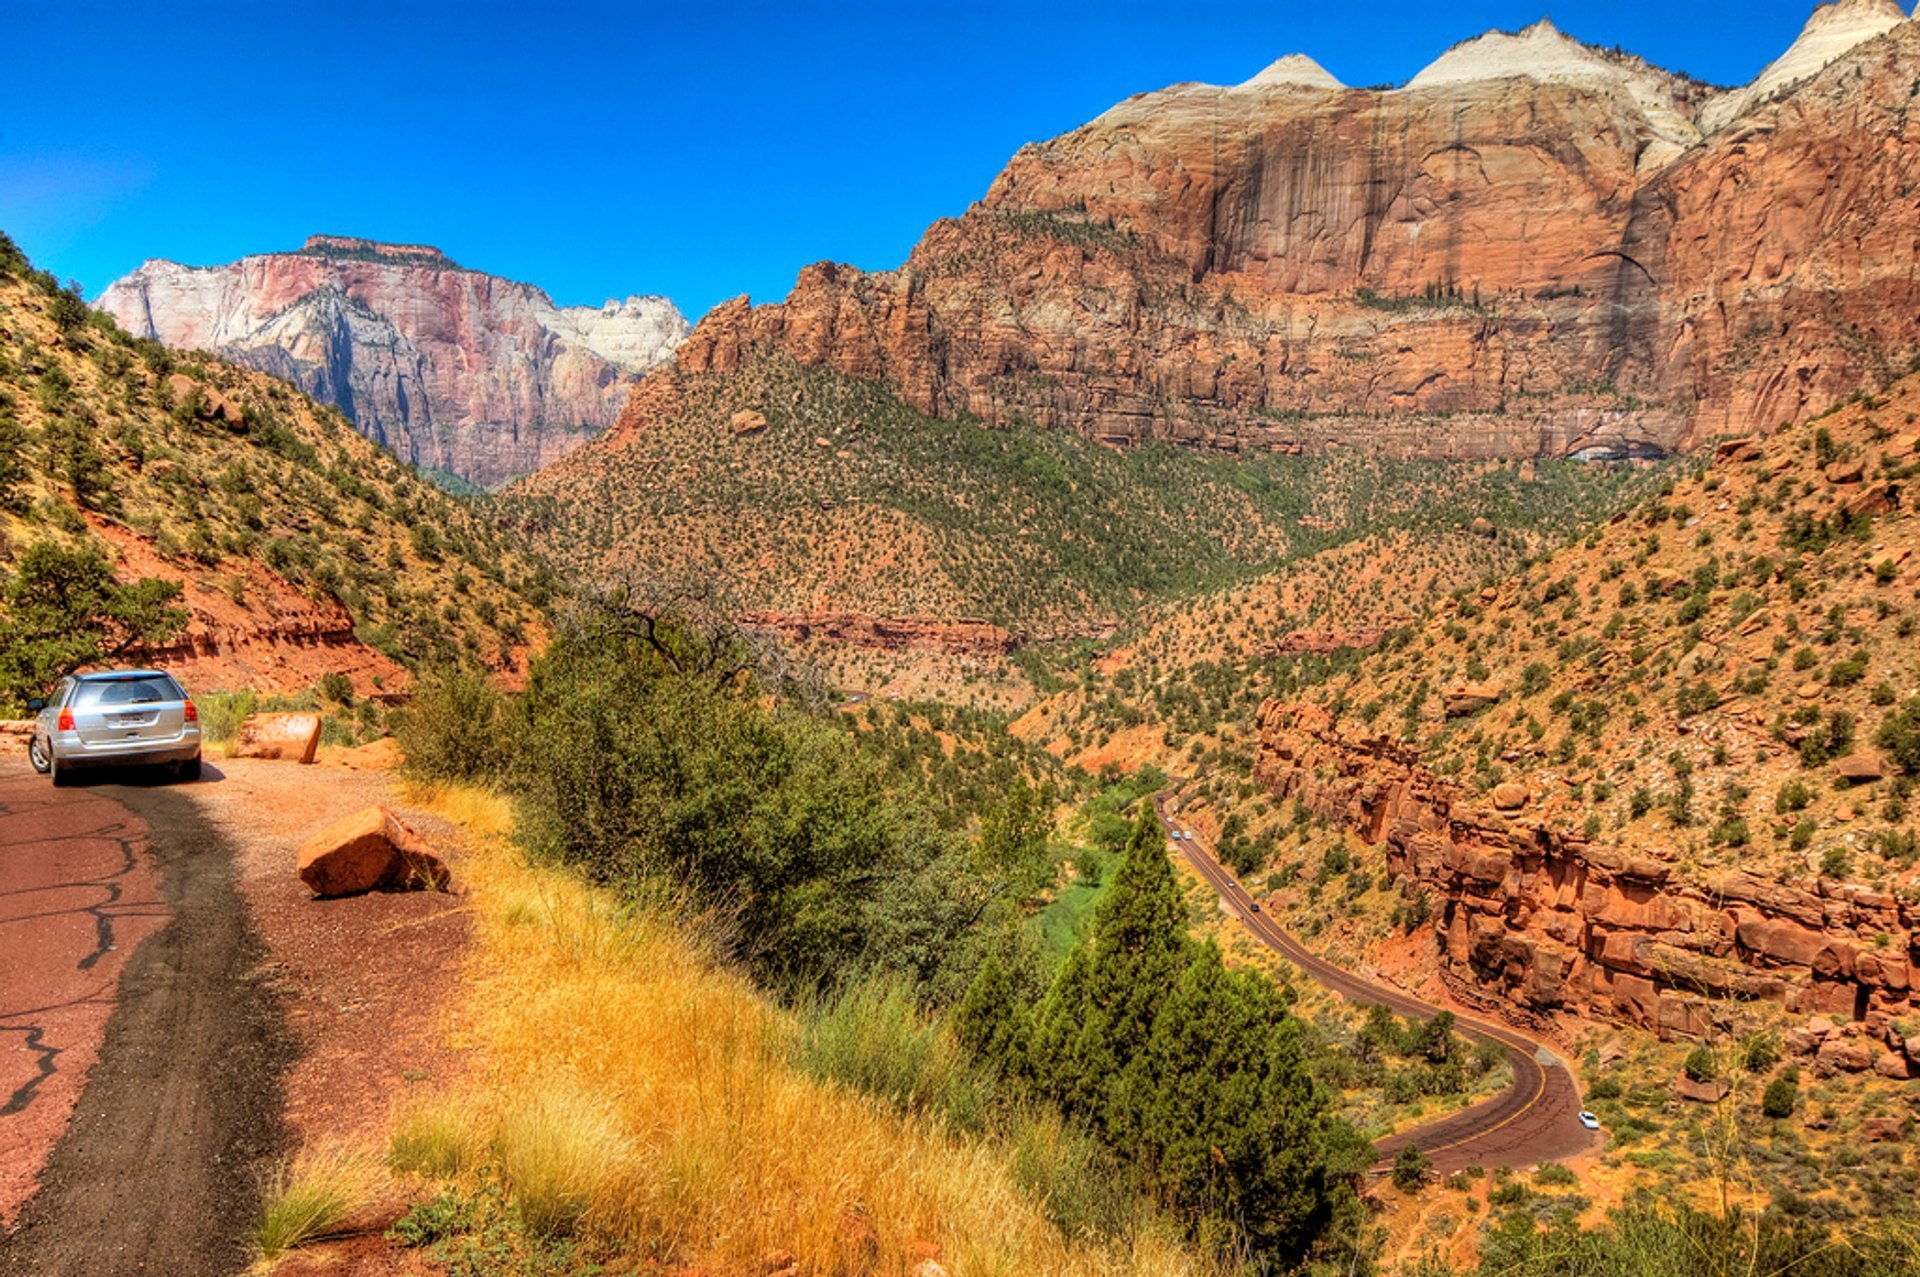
(1541, 920)
(1533, 247)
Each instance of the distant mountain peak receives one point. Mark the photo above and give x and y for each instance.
(1832, 31)
(1540, 52)
(1296, 69)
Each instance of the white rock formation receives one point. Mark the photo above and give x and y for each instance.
(1834, 30)
(481, 377)
(1543, 54)
(1296, 70)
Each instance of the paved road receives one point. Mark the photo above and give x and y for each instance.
(78, 894)
(1534, 1120)
(127, 946)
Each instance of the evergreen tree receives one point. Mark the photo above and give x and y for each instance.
(992, 1022)
(1201, 1103)
(1099, 1013)
(13, 458)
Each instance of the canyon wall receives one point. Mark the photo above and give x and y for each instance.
(454, 370)
(1540, 921)
(1535, 247)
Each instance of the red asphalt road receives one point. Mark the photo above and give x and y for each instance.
(77, 894)
(1534, 1120)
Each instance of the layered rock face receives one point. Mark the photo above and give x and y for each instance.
(1534, 247)
(451, 369)
(1542, 920)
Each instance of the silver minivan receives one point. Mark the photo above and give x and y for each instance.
(115, 718)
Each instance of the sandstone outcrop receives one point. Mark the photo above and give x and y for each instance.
(1534, 247)
(1539, 920)
(288, 738)
(451, 369)
(371, 850)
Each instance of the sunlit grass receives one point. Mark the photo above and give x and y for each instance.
(433, 1136)
(632, 1085)
(311, 1196)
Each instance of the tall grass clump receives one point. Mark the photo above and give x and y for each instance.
(557, 1148)
(310, 1197)
(433, 1136)
(872, 1036)
(221, 714)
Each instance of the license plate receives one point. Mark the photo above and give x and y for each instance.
(129, 720)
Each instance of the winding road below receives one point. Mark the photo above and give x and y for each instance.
(1535, 1120)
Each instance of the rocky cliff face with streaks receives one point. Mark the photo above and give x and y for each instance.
(1533, 247)
(454, 370)
(1539, 920)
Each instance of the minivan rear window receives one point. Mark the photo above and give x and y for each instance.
(144, 690)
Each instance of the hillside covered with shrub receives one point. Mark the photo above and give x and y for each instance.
(175, 508)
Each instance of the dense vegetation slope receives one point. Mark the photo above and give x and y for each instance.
(297, 547)
(1729, 672)
(807, 490)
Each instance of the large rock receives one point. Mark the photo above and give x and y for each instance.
(1686, 1088)
(290, 738)
(14, 734)
(1862, 768)
(1893, 1064)
(1508, 796)
(460, 371)
(371, 850)
(1841, 1055)
(1470, 698)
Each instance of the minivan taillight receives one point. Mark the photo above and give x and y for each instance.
(193, 715)
(66, 721)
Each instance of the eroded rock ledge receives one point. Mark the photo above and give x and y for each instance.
(1540, 921)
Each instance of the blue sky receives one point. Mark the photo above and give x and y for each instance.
(695, 149)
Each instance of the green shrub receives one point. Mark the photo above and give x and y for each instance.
(1410, 1168)
(1700, 1064)
(457, 726)
(1899, 736)
(1781, 1097)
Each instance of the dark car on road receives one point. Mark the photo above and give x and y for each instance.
(115, 718)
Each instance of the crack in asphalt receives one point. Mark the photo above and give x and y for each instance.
(23, 1094)
(105, 939)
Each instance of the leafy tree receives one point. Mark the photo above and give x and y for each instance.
(63, 610)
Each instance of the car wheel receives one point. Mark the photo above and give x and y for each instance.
(37, 755)
(188, 770)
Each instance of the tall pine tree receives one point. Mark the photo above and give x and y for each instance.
(1099, 1014)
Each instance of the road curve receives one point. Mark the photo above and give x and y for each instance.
(1534, 1120)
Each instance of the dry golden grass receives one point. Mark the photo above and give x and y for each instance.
(311, 1196)
(634, 1085)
